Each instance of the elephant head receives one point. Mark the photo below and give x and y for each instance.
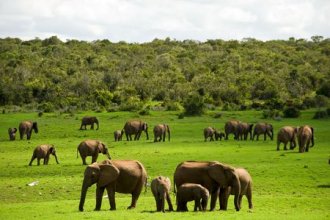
(53, 152)
(35, 127)
(104, 150)
(100, 173)
(12, 133)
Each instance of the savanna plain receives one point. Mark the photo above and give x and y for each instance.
(286, 184)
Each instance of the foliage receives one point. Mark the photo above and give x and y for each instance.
(291, 112)
(194, 105)
(320, 114)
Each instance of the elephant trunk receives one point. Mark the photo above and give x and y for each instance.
(236, 187)
(147, 133)
(84, 189)
(169, 133)
(56, 158)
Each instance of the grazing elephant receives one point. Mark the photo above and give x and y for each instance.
(160, 132)
(231, 128)
(122, 176)
(160, 188)
(88, 120)
(263, 128)
(25, 127)
(12, 133)
(212, 175)
(92, 148)
(42, 152)
(246, 188)
(305, 135)
(135, 127)
(118, 135)
(287, 134)
(243, 129)
(192, 192)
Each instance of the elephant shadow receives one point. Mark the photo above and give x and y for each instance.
(326, 186)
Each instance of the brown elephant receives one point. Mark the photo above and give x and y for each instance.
(212, 133)
(122, 176)
(243, 130)
(26, 127)
(305, 135)
(265, 129)
(92, 148)
(246, 188)
(231, 128)
(135, 127)
(192, 192)
(89, 120)
(42, 152)
(287, 134)
(160, 132)
(118, 135)
(160, 188)
(12, 133)
(212, 175)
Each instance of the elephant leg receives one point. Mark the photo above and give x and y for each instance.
(28, 135)
(168, 198)
(111, 196)
(84, 160)
(285, 145)
(257, 137)
(32, 159)
(197, 205)
(99, 195)
(21, 134)
(94, 157)
(135, 196)
(213, 200)
(223, 197)
(307, 146)
(264, 136)
(226, 137)
(38, 161)
(158, 204)
(92, 126)
(249, 197)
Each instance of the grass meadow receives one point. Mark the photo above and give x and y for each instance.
(286, 184)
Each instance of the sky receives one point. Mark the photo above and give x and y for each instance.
(138, 21)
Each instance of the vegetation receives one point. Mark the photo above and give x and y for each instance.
(287, 185)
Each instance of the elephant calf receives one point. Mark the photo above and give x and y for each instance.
(189, 192)
(118, 135)
(12, 133)
(89, 120)
(92, 148)
(160, 188)
(42, 152)
(212, 133)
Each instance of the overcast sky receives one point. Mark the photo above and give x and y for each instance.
(145, 20)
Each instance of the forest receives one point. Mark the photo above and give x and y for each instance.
(50, 74)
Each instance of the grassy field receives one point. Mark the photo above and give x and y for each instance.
(287, 185)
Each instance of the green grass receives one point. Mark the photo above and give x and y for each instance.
(287, 185)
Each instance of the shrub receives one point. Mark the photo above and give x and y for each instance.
(291, 112)
(194, 105)
(181, 116)
(132, 104)
(320, 114)
(46, 107)
(144, 111)
(270, 113)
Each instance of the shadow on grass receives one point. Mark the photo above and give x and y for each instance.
(323, 186)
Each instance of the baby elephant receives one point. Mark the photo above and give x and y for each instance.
(160, 188)
(189, 192)
(210, 132)
(92, 148)
(12, 133)
(42, 152)
(118, 135)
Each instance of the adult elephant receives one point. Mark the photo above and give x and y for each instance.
(160, 132)
(43, 152)
(243, 130)
(26, 127)
(231, 128)
(212, 175)
(305, 136)
(89, 120)
(263, 128)
(122, 176)
(92, 148)
(209, 133)
(135, 127)
(285, 135)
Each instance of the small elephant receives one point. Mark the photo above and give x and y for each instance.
(12, 133)
(160, 188)
(212, 133)
(231, 128)
(26, 127)
(305, 135)
(263, 128)
(219, 135)
(246, 189)
(135, 127)
(92, 148)
(243, 129)
(122, 176)
(118, 135)
(287, 134)
(192, 192)
(42, 152)
(160, 132)
(89, 120)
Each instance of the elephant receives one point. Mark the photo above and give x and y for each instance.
(242, 131)
(192, 192)
(160, 188)
(246, 188)
(25, 127)
(135, 127)
(231, 128)
(122, 176)
(305, 135)
(89, 120)
(219, 135)
(160, 132)
(287, 134)
(92, 148)
(42, 152)
(118, 134)
(212, 133)
(265, 129)
(213, 175)
(12, 133)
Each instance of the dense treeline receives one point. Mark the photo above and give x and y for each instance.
(231, 74)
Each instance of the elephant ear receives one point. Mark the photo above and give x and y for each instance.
(108, 174)
(217, 172)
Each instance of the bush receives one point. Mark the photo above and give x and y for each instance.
(144, 111)
(194, 105)
(181, 116)
(46, 107)
(320, 114)
(132, 104)
(172, 106)
(291, 112)
(270, 113)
